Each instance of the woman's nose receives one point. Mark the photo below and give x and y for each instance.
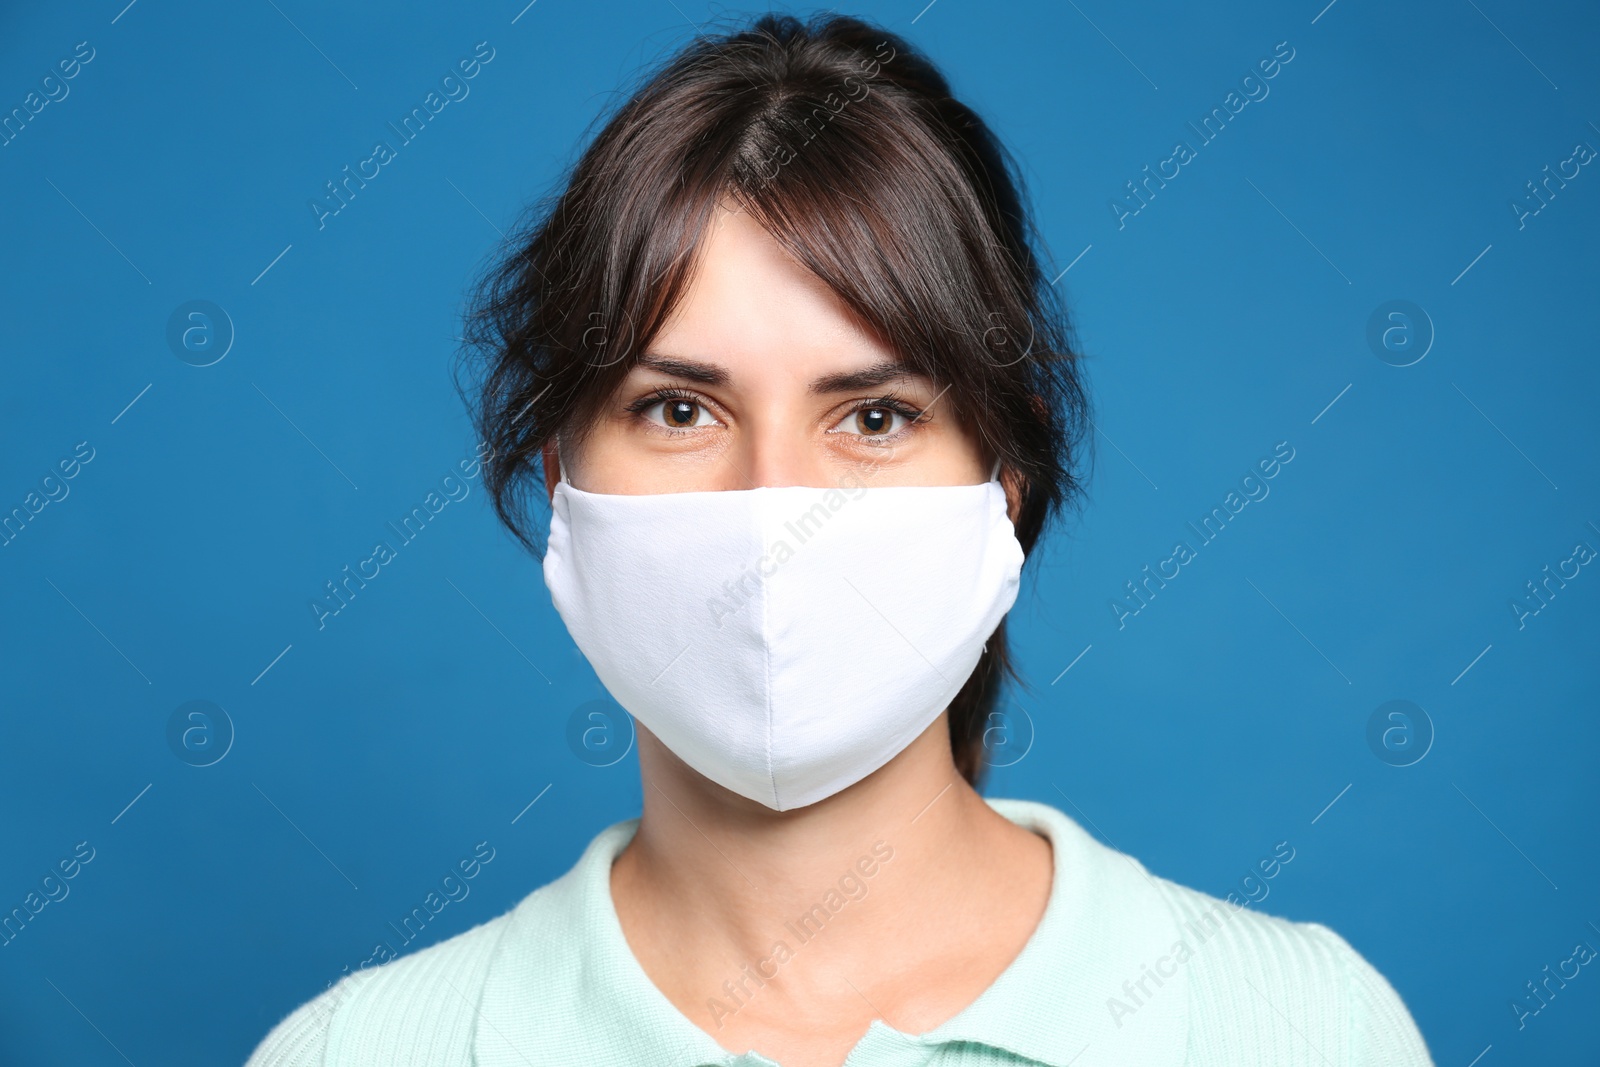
(777, 457)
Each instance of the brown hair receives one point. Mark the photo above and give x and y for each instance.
(846, 145)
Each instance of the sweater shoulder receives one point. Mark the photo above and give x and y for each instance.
(417, 1008)
(1295, 988)
(300, 1039)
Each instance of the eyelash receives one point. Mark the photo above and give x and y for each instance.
(889, 401)
(664, 392)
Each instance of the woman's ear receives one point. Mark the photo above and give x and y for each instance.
(552, 467)
(1011, 481)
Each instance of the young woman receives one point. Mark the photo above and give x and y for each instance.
(786, 359)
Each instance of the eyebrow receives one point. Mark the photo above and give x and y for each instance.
(693, 370)
(868, 377)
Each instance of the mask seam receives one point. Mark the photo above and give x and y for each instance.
(766, 656)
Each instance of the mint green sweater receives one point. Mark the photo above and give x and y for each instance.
(1123, 968)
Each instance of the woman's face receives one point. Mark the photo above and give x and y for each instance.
(763, 378)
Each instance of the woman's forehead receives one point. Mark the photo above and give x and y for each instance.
(749, 304)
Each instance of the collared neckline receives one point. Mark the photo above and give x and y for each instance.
(1106, 923)
(564, 957)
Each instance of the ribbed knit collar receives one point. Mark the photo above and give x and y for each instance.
(1104, 929)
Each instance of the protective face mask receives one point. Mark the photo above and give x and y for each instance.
(785, 642)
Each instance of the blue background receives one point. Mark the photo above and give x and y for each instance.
(371, 755)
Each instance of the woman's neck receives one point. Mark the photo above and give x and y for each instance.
(901, 897)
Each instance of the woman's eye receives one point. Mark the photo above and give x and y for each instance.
(680, 414)
(872, 421)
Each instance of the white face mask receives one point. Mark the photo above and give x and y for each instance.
(785, 642)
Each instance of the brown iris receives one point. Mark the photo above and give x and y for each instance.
(874, 421)
(680, 413)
